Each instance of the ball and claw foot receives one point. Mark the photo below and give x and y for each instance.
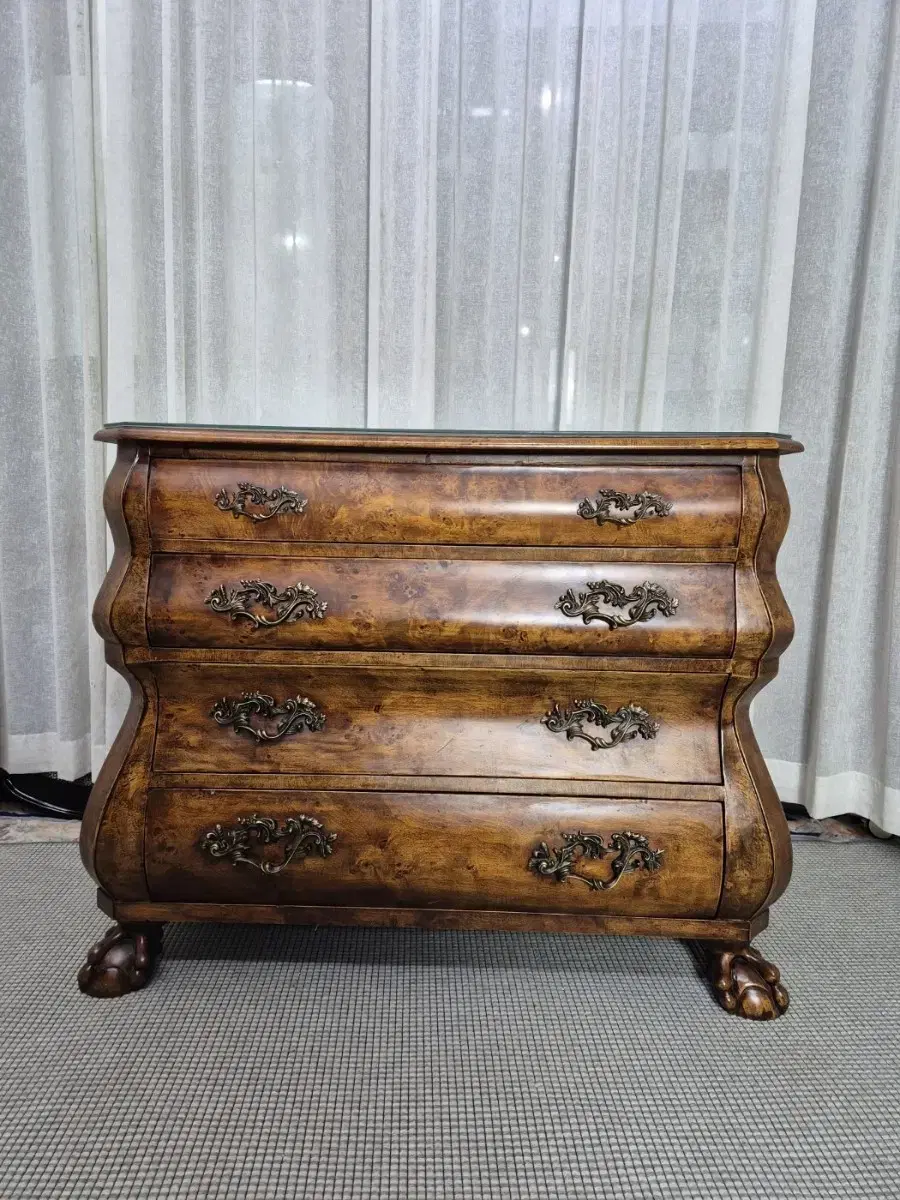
(122, 961)
(745, 984)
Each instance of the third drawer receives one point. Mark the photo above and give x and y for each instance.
(439, 721)
(619, 608)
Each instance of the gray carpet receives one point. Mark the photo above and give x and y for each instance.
(385, 1065)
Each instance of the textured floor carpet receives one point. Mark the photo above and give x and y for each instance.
(385, 1065)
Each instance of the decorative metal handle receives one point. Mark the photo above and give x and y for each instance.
(623, 508)
(629, 721)
(632, 852)
(303, 836)
(293, 715)
(646, 601)
(273, 503)
(290, 605)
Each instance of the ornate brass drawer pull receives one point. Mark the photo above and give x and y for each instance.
(632, 852)
(273, 503)
(302, 836)
(623, 508)
(629, 721)
(295, 602)
(291, 716)
(645, 602)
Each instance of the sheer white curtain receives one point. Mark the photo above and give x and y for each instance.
(578, 214)
(52, 541)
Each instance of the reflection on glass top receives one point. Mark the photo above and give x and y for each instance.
(524, 433)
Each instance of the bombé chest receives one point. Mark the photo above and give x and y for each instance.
(460, 680)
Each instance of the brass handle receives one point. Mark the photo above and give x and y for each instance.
(302, 836)
(291, 716)
(623, 508)
(629, 721)
(642, 604)
(632, 852)
(273, 503)
(294, 602)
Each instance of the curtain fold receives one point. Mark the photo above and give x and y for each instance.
(572, 214)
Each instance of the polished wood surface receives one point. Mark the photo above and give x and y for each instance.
(444, 605)
(435, 503)
(573, 664)
(438, 851)
(713, 930)
(440, 722)
(185, 439)
(652, 789)
(421, 716)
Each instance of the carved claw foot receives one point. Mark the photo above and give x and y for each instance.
(122, 961)
(745, 984)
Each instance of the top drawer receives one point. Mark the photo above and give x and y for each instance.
(444, 503)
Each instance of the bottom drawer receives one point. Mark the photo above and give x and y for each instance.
(377, 849)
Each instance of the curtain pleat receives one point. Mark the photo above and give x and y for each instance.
(522, 214)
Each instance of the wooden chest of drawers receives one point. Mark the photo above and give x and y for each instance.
(447, 680)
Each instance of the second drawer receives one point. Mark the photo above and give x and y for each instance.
(620, 608)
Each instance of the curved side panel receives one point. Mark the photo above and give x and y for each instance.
(118, 483)
(758, 847)
(112, 841)
(778, 511)
(120, 618)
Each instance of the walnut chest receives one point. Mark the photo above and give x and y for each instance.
(452, 680)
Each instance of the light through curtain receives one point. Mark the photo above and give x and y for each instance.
(512, 214)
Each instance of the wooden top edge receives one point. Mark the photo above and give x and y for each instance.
(441, 440)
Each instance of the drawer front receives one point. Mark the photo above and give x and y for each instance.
(607, 505)
(376, 849)
(412, 720)
(404, 604)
